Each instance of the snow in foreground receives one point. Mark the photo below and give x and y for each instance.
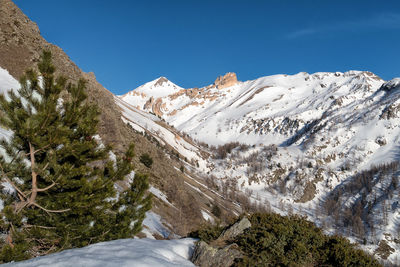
(124, 252)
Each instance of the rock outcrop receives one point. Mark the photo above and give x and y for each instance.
(235, 230)
(209, 256)
(219, 254)
(161, 81)
(225, 81)
(155, 106)
(391, 85)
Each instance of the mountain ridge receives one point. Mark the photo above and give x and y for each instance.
(198, 97)
(294, 141)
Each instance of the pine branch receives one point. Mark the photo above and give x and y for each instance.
(45, 121)
(45, 167)
(20, 206)
(9, 239)
(47, 210)
(46, 188)
(15, 187)
(37, 150)
(39, 226)
(40, 149)
(11, 183)
(33, 196)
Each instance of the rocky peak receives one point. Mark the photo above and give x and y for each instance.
(160, 81)
(227, 80)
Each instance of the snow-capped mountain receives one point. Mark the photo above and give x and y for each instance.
(240, 108)
(300, 138)
(152, 91)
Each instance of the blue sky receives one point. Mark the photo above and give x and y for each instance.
(127, 43)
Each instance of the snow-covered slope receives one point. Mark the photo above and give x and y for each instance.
(120, 253)
(157, 88)
(7, 82)
(306, 136)
(148, 123)
(217, 116)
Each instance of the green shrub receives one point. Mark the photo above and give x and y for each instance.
(275, 240)
(146, 160)
(207, 232)
(216, 210)
(16, 252)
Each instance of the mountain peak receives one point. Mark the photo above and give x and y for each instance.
(159, 87)
(227, 80)
(160, 81)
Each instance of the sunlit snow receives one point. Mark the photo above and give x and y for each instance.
(125, 252)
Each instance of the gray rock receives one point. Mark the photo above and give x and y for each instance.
(205, 255)
(235, 230)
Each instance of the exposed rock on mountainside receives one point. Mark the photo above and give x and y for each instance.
(161, 81)
(155, 105)
(391, 85)
(235, 229)
(227, 80)
(206, 255)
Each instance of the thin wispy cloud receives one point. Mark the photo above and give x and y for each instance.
(301, 33)
(381, 21)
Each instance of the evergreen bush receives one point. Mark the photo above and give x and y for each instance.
(146, 160)
(275, 240)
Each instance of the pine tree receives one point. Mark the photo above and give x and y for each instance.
(61, 175)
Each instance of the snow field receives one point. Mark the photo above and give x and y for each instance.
(120, 253)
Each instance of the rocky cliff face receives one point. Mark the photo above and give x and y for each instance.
(225, 81)
(20, 47)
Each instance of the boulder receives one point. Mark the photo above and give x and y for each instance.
(209, 256)
(206, 255)
(235, 230)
